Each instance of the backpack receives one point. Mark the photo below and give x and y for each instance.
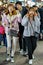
(2, 30)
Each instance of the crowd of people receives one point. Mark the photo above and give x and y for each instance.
(19, 23)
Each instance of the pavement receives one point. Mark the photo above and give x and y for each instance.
(21, 60)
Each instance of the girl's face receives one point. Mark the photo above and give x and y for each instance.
(31, 15)
(10, 8)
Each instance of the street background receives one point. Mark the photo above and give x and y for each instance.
(21, 60)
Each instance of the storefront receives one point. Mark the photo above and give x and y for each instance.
(24, 2)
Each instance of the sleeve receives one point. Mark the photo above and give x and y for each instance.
(19, 18)
(39, 15)
(4, 19)
(37, 20)
(24, 21)
(37, 24)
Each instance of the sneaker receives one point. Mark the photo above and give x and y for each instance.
(33, 57)
(2, 43)
(30, 62)
(23, 53)
(12, 60)
(26, 53)
(8, 59)
(21, 50)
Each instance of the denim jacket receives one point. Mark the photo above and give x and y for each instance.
(28, 30)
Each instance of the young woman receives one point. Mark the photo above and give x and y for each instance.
(31, 24)
(12, 28)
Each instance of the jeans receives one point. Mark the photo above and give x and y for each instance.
(20, 42)
(5, 40)
(24, 45)
(1, 37)
(31, 45)
(11, 46)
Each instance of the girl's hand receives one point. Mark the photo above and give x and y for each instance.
(35, 14)
(31, 12)
(27, 15)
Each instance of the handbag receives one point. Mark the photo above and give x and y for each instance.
(36, 34)
(13, 33)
